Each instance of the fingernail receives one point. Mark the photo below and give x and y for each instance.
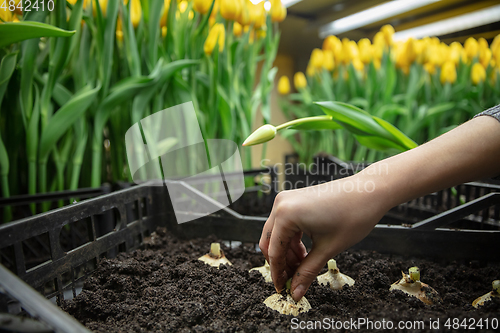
(298, 292)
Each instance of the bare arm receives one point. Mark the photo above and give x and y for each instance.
(338, 214)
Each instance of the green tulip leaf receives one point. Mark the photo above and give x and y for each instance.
(16, 32)
(319, 124)
(399, 137)
(354, 119)
(361, 123)
(64, 118)
(378, 143)
(4, 159)
(7, 67)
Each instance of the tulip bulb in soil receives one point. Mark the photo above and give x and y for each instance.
(284, 303)
(215, 257)
(487, 297)
(411, 285)
(265, 271)
(334, 278)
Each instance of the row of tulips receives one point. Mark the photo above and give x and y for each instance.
(424, 87)
(68, 101)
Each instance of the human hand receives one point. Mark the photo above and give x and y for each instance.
(335, 215)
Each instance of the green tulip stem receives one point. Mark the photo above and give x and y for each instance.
(303, 121)
(32, 182)
(6, 194)
(42, 182)
(96, 166)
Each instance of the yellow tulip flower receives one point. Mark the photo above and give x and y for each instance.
(183, 5)
(448, 72)
(215, 35)
(211, 21)
(310, 70)
(299, 80)
(483, 43)
(316, 58)
(328, 60)
(164, 13)
(230, 9)
(477, 73)
(495, 48)
(278, 11)
(388, 31)
(119, 31)
(258, 15)
(365, 50)
(6, 15)
(350, 50)
(457, 53)
(377, 63)
(435, 55)
(410, 52)
(379, 40)
(86, 3)
(421, 48)
(202, 6)
(334, 44)
(244, 19)
(163, 32)
(135, 12)
(430, 68)
(377, 51)
(358, 65)
(237, 29)
(471, 47)
(485, 57)
(284, 85)
(494, 76)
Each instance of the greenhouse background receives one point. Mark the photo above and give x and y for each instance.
(424, 67)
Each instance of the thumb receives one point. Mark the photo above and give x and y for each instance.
(307, 272)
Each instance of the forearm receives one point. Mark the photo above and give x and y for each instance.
(468, 152)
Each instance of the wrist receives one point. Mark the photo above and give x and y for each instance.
(375, 183)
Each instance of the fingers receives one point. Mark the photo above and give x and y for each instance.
(265, 237)
(298, 247)
(281, 238)
(295, 254)
(307, 272)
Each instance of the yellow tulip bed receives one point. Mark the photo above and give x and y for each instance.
(69, 100)
(424, 87)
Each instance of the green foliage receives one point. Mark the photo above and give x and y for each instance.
(367, 127)
(16, 32)
(75, 92)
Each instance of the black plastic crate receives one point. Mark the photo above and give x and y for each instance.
(137, 211)
(21, 205)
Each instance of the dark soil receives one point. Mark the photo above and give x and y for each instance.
(164, 288)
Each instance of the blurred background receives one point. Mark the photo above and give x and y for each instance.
(309, 22)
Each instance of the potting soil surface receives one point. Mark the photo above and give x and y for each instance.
(165, 288)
